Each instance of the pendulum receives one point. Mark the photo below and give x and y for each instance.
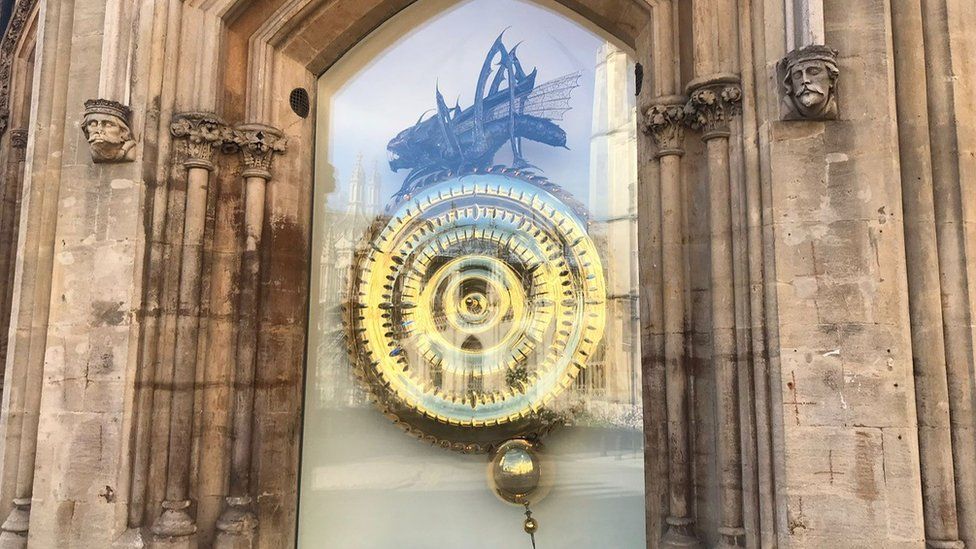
(453, 292)
(515, 475)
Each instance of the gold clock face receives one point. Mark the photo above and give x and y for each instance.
(475, 303)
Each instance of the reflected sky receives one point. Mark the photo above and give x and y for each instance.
(365, 483)
(390, 93)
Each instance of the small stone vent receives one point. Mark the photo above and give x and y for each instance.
(299, 102)
(638, 78)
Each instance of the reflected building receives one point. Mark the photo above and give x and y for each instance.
(344, 230)
(611, 385)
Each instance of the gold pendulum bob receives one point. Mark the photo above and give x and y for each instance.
(516, 476)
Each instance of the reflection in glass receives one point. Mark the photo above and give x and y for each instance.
(471, 316)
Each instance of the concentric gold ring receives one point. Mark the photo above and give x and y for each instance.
(474, 305)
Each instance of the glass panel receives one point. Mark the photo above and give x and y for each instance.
(475, 287)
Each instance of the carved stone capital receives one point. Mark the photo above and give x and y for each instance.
(18, 139)
(258, 144)
(18, 142)
(808, 82)
(107, 127)
(664, 121)
(202, 133)
(712, 103)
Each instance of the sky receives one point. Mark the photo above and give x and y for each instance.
(388, 92)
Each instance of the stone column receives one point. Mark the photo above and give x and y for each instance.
(238, 522)
(948, 205)
(17, 522)
(28, 338)
(201, 133)
(665, 124)
(804, 23)
(924, 286)
(10, 218)
(156, 309)
(713, 102)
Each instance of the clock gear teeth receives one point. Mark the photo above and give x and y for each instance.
(474, 304)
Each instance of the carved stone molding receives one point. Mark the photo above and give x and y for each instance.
(681, 534)
(107, 127)
(18, 139)
(18, 142)
(808, 78)
(202, 133)
(712, 103)
(15, 29)
(937, 544)
(18, 521)
(731, 537)
(175, 521)
(237, 524)
(258, 145)
(664, 121)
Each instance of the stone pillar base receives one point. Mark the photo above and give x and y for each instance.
(187, 542)
(175, 528)
(133, 538)
(952, 544)
(11, 540)
(13, 532)
(731, 538)
(237, 524)
(680, 534)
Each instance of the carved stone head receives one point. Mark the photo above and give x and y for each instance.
(809, 77)
(106, 127)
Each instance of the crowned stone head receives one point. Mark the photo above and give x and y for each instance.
(809, 76)
(106, 126)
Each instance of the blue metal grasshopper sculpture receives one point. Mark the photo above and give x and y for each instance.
(456, 140)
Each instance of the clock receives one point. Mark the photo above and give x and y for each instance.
(475, 302)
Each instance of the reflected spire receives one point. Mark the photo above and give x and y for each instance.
(356, 184)
(373, 189)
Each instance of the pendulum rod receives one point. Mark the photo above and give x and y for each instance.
(530, 524)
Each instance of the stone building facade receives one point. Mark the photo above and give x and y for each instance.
(806, 184)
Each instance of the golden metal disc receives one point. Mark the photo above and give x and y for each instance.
(475, 303)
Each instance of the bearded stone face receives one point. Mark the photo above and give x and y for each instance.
(108, 136)
(811, 88)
